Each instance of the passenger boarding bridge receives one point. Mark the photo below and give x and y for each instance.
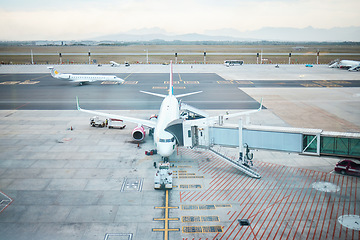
(201, 133)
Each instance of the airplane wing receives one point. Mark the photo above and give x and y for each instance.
(215, 118)
(245, 112)
(120, 80)
(187, 107)
(80, 80)
(143, 122)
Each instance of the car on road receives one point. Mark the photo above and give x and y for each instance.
(308, 65)
(347, 166)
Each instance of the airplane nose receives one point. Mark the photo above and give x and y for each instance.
(165, 150)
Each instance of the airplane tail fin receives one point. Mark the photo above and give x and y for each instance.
(54, 73)
(171, 87)
(77, 103)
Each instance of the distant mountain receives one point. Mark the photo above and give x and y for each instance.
(228, 34)
(139, 35)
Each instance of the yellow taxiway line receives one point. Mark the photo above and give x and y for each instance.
(166, 229)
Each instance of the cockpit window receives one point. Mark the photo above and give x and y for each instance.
(166, 140)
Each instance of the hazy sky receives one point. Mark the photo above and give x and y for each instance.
(82, 19)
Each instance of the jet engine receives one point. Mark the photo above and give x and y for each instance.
(138, 133)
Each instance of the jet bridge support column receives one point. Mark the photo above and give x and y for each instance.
(241, 149)
(245, 157)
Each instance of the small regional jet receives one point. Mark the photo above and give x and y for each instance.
(350, 65)
(114, 64)
(83, 78)
(170, 108)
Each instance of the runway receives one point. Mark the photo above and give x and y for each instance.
(42, 92)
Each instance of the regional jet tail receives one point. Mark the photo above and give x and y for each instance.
(80, 79)
(350, 65)
(164, 141)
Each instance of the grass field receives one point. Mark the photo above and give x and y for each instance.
(276, 54)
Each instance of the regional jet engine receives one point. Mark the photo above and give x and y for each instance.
(138, 133)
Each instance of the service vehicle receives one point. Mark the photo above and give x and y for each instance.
(163, 177)
(97, 122)
(233, 62)
(347, 166)
(116, 123)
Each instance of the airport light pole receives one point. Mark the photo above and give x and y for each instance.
(60, 58)
(289, 58)
(257, 58)
(89, 57)
(204, 56)
(32, 57)
(317, 56)
(147, 56)
(175, 58)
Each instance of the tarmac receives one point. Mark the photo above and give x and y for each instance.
(62, 179)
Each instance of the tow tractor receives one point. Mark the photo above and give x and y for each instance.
(110, 123)
(97, 122)
(163, 177)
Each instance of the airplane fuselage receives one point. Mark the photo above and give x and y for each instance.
(88, 78)
(81, 78)
(169, 111)
(346, 64)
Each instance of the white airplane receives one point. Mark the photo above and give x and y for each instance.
(351, 65)
(83, 78)
(164, 141)
(114, 64)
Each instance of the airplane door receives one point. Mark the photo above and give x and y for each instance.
(202, 137)
(195, 136)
